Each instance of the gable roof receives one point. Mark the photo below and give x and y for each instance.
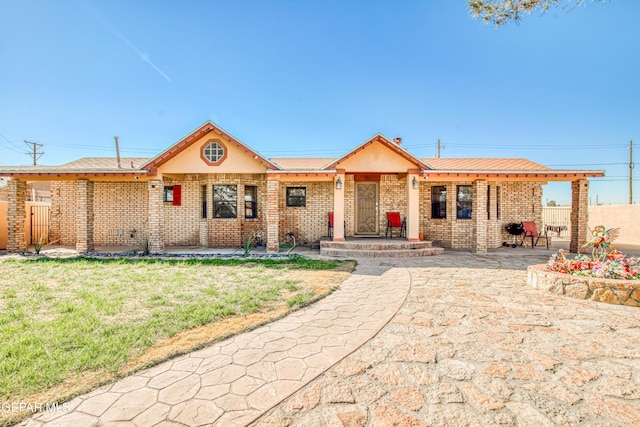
(396, 148)
(204, 129)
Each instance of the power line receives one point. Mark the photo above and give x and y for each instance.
(589, 164)
(19, 149)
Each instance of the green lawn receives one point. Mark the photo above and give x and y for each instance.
(62, 317)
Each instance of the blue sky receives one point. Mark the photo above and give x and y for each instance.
(317, 78)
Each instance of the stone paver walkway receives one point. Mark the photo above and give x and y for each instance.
(449, 340)
(474, 345)
(233, 382)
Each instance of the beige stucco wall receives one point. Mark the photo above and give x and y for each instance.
(625, 217)
(190, 161)
(376, 158)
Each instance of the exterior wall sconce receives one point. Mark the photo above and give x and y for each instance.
(339, 183)
(414, 182)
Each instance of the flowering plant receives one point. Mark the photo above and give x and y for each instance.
(613, 266)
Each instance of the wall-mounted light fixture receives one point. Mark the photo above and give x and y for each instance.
(414, 182)
(339, 183)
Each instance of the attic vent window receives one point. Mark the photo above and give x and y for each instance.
(213, 153)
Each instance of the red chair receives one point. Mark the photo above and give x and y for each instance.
(530, 230)
(330, 226)
(394, 221)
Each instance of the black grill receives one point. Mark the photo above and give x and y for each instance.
(514, 228)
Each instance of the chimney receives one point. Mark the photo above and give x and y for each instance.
(397, 140)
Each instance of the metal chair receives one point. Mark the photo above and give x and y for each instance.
(530, 230)
(330, 226)
(394, 221)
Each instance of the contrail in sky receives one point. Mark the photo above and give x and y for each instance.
(115, 32)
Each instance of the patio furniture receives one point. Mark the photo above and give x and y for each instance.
(530, 230)
(394, 221)
(330, 226)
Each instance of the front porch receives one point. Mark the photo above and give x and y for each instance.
(365, 247)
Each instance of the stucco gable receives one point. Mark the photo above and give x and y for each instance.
(377, 154)
(186, 155)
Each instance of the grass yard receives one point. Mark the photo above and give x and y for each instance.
(68, 325)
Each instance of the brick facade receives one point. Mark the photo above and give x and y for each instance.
(579, 213)
(307, 223)
(155, 230)
(519, 201)
(84, 216)
(479, 244)
(16, 213)
(121, 207)
(120, 212)
(63, 212)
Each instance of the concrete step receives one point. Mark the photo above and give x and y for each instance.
(375, 244)
(380, 253)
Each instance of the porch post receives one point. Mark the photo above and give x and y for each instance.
(338, 207)
(16, 215)
(273, 214)
(84, 216)
(579, 213)
(480, 216)
(413, 206)
(155, 225)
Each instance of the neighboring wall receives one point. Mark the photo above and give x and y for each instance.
(625, 217)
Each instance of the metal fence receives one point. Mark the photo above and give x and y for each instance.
(40, 224)
(558, 216)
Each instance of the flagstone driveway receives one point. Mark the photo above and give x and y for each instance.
(457, 339)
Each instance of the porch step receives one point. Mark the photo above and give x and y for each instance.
(378, 248)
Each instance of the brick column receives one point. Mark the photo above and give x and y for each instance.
(480, 216)
(579, 213)
(16, 216)
(273, 215)
(155, 225)
(84, 216)
(204, 222)
(338, 207)
(413, 206)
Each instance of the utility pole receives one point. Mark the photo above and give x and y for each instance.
(439, 148)
(36, 153)
(630, 172)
